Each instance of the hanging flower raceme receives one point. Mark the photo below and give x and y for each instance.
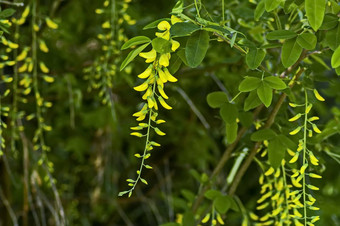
(299, 176)
(154, 77)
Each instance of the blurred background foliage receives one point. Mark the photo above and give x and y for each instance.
(92, 152)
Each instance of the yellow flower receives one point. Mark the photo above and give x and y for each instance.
(43, 67)
(206, 218)
(146, 73)
(147, 93)
(164, 59)
(318, 96)
(161, 91)
(269, 171)
(313, 175)
(149, 56)
(159, 132)
(313, 159)
(162, 75)
(163, 103)
(175, 19)
(163, 26)
(51, 24)
(295, 158)
(42, 46)
(295, 131)
(22, 55)
(142, 87)
(303, 168)
(169, 77)
(296, 117)
(174, 45)
(151, 103)
(26, 12)
(316, 129)
(296, 183)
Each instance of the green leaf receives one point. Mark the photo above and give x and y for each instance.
(212, 194)
(336, 58)
(222, 204)
(287, 142)
(337, 70)
(290, 53)
(123, 193)
(263, 134)
(254, 57)
(155, 23)
(217, 99)
(249, 83)
(281, 34)
(252, 101)
(132, 55)
(175, 63)
(7, 13)
(229, 113)
(307, 41)
(233, 39)
(276, 152)
(246, 118)
(332, 38)
(329, 21)
(135, 41)
(196, 48)
(265, 93)
(183, 29)
(315, 11)
(188, 219)
(161, 45)
(178, 8)
(275, 82)
(260, 8)
(231, 132)
(181, 54)
(271, 4)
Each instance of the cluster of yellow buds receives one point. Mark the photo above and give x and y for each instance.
(101, 74)
(298, 177)
(155, 76)
(275, 195)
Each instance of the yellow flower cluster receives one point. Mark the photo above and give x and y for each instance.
(298, 177)
(275, 195)
(157, 73)
(155, 76)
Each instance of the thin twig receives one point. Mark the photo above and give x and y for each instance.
(193, 107)
(9, 208)
(19, 4)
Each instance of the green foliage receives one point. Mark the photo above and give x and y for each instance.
(251, 138)
(196, 48)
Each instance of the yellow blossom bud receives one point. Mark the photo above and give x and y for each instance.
(51, 24)
(318, 96)
(169, 77)
(149, 56)
(141, 87)
(175, 19)
(146, 73)
(163, 103)
(164, 59)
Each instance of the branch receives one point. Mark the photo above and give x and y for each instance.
(257, 145)
(225, 157)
